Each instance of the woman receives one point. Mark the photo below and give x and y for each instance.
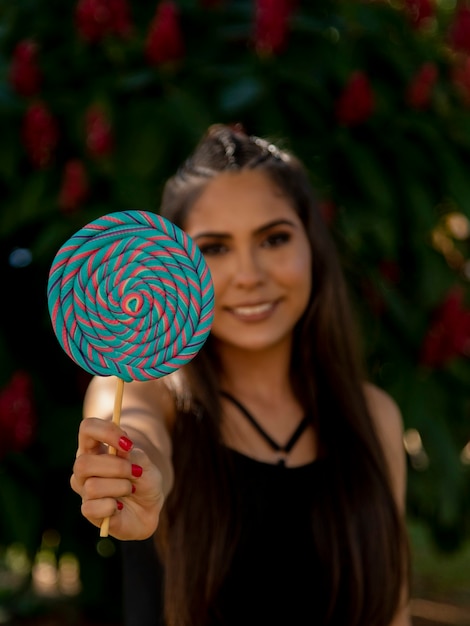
(271, 473)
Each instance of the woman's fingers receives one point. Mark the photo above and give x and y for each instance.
(97, 488)
(125, 487)
(105, 465)
(95, 432)
(96, 510)
(99, 475)
(93, 458)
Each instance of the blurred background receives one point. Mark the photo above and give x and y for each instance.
(100, 100)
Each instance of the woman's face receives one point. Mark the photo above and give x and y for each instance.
(259, 256)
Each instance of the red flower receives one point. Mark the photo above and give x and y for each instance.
(420, 11)
(74, 189)
(40, 134)
(420, 88)
(98, 131)
(96, 19)
(25, 75)
(328, 210)
(459, 30)
(460, 78)
(164, 42)
(121, 23)
(356, 103)
(17, 414)
(373, 298)
(449, 333)
(390, 271)
(271, 28)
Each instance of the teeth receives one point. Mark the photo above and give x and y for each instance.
(253, 310)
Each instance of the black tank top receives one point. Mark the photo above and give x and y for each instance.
(276, 576)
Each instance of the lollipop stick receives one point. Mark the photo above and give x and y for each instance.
(104, 529)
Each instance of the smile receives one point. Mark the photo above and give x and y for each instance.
(253, 311)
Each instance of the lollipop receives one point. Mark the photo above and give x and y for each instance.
(130, 295)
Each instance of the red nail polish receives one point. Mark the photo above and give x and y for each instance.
(136, 470)
(133, 488)
(125, 443)
(119, 505)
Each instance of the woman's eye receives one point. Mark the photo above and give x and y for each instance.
(212, 249)
(277, 239)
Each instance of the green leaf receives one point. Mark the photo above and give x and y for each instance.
(20, 508)
(239, 95)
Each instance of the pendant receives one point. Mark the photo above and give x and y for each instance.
(281, 457)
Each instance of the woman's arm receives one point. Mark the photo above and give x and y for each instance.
(389, 425)
(129, 487)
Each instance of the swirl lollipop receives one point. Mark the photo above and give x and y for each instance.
(130, 295)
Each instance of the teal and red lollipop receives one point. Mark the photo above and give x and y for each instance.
(130, 295)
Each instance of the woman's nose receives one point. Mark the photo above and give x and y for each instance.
(248, 271)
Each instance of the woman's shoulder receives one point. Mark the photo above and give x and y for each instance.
(153, 396)
(384, 410)
(388, 422)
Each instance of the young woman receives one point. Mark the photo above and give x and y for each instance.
(270, 473)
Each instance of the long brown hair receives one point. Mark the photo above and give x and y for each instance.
(358, 532)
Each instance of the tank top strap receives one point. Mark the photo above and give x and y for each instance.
(285, 449)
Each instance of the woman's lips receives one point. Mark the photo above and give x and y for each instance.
(253, 312)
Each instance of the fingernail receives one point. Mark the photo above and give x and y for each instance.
(119, 505)
(133, 488)
(125, 443)
(136, 470)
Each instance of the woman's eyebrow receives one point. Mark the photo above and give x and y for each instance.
(211, 234)
(258, 231)
(274, 223)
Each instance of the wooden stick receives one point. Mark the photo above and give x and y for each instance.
(104, 528)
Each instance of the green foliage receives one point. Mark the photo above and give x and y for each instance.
(391, 179)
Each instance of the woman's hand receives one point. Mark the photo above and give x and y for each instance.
(126, 487)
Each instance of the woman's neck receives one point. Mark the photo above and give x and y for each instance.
(264, 375)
